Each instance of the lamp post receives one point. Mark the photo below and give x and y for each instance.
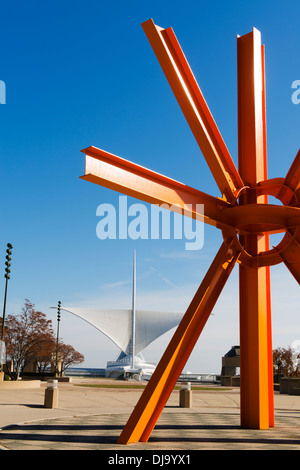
(57, 337)
(7, 276)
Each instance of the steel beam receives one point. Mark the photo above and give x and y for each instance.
(189, 96)
(291, 254)
(257, 408)
(121, 175)
(165, 376)
(292, 180)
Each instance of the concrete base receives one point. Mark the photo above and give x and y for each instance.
(51, 398)
(185, 398)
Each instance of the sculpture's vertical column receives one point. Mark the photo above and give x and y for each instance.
(255, 312)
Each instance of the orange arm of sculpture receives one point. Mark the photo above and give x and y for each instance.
(165, 376)
(194, 108)
(121, 175)
(291, 255)
(292, 183)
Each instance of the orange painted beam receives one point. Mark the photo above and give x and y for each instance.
(292, 178)
(266, 242)
(292, 182)
(166, 374)
(257, 410)
(192, 103)
(121, 175)
(291, 254)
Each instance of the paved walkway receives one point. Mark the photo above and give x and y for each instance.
(93, 418)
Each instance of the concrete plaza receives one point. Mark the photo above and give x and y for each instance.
(93, 418)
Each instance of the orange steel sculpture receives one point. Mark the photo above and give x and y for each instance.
(242, 214)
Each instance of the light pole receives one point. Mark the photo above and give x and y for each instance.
(7, 276)
(57, 337)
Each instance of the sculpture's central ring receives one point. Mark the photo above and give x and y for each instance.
(262, 219)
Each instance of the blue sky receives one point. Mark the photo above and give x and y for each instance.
(83, 73)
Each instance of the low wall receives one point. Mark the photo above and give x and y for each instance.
(29, 378)
(230, 380)
(18, 384)
(290, 385)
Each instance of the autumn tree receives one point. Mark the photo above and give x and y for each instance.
(29, 337)
(286, 361)
(43, 356)
(68, 356)
(25, 334)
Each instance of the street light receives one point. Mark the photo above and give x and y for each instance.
(7, 276)
(57, 337)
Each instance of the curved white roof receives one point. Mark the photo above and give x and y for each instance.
(116, 325)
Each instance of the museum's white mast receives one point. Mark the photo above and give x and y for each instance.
(133, 310)
(130, 329)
